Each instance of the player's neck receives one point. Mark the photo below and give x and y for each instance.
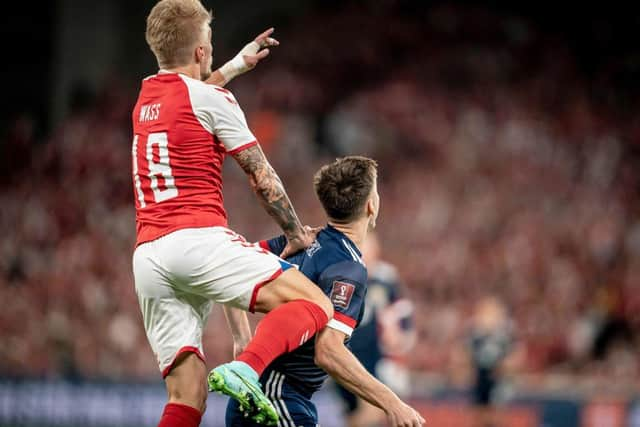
(188, 70)
(356, 231)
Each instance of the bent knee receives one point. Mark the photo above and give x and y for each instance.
(326, 306)
(187, 382)
(193, 396)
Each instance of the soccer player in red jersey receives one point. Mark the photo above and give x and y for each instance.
(186, 258)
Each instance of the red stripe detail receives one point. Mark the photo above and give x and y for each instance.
(345, 319)
(219, 89)
(187, 349)
(264, 245)
(254, 295)
(242, 147)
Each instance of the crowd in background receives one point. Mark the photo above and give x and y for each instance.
(505, 170)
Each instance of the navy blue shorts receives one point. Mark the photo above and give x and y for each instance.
(294, 408)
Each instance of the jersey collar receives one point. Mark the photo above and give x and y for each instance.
(341, 236)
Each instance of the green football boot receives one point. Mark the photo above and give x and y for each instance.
(239, 381)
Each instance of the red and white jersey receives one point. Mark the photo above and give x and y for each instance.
(182, 130)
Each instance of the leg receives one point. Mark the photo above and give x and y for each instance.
(219, 265)
(290, 296)
(290, 286)
(187, 382)
(187, 391)
(174, 328)
(293, 408)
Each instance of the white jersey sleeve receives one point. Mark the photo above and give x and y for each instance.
(219, 113)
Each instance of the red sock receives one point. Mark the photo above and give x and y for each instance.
(178, 415)
(283, 330)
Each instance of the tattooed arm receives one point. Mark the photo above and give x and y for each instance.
(270, 191)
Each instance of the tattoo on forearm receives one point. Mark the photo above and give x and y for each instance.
(269, 189)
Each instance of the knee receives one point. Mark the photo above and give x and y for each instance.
(326, 306)
(194, 395)
(323, 303)
(187, 383)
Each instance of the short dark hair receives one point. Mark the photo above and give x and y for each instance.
(344, 186)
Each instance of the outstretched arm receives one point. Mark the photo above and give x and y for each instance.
(271, 193)
(245, 60)
(333, 356)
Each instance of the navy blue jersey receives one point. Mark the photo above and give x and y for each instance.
(334, 263)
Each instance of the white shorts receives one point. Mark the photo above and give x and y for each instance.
(179, 276)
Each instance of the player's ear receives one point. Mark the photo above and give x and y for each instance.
(199, 54)
(371, 213)
(371, 207)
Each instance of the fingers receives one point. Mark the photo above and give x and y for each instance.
(286, 252)
(264, 40)
(312, 230)
(269, 42)
(410, 418)
(419, 421)
(265, 34)
(252, 60)
(262, 54)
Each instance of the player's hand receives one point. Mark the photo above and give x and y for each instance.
(402, 415)
(263, 42)
(249, 56)
(300, 242)
(313, 230)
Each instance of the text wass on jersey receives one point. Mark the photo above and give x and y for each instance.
(182, 130)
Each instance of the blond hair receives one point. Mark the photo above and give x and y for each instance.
(174, 29)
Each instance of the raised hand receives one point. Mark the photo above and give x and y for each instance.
(247, 58)
(263, 41)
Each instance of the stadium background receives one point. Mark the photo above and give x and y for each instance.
(508, 138)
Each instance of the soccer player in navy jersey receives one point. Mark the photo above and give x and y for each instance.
(348, 193)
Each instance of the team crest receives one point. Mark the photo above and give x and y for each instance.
(315, 247)
(341, 294)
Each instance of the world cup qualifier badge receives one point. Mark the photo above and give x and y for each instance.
(341, 294)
